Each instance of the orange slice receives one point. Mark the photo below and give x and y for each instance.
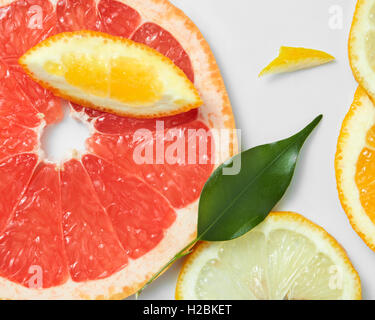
(285, 257)
(292, 59)
(362, 44)
(111, 74)
(354, 165)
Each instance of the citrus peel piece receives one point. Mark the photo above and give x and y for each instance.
(292, 59)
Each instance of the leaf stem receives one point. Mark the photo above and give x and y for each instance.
(184, 252)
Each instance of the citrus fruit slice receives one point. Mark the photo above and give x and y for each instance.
(100, 224)
(285, 257)
(111, 74)
(292, 59)
(354, 166)
(361, 45)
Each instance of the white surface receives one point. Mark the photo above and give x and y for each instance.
(59, 141)
(245, 36)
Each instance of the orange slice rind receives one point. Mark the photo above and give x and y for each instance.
(111, 74)
(293, 59)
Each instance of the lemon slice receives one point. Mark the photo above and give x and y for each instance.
(285, 257)
(111, 74)
(292, 59)
(362, 45)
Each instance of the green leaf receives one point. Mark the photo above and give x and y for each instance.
(231, 205)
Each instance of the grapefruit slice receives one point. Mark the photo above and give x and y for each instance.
(110, 74)
(104, 223)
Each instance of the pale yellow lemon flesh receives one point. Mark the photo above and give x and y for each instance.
(285, 257)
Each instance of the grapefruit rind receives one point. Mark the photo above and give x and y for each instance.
(351, 141)
(217, 113)
(324, 243)
(178, 93)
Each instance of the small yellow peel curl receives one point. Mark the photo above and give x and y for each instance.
(292, 59)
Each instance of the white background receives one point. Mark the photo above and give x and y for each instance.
(245, 35)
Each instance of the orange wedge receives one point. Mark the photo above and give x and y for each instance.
(110, 74)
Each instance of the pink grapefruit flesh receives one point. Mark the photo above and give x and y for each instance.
(32, 239)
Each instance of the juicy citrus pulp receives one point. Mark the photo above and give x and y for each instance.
(293, 59)
(111, 74)
(285, 257)
(354, 165)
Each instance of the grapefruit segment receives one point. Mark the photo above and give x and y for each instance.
(161, 40)
(117, 18)
(92, 247)
(23, 24)
(113, 124)
(42, 99)
(105, 122)
(31, 246)
(138, 213)
(15, 139)
(15, 173)
(14, 105)
(177, 177)
(73, 15)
